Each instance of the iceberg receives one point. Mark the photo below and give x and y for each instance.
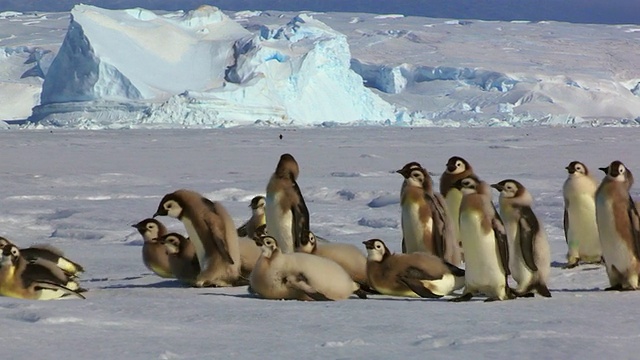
(136, 68)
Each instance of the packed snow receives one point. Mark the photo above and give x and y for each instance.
(96, 68)
(82, 190)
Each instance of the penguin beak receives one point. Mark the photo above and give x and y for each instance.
(604, 170)
(497, 187)
(451, 168)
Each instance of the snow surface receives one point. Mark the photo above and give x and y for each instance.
(82, 190)
(139, 68)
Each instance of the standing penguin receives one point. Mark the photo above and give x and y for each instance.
(580, 226)
(529, 254)
(619, 226)
(183, 261)
(484, 242)
(457, 168)
(257, 218)
(286, 212)
(212, 232)
(154, 254)
(426, 224)
(416, 274)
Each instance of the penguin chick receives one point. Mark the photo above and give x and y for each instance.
(249, 254)
(258, 217)
(49, 253)
(580, 226)
(154, 255)
(529, 254)
(183, 261)
(426, 224)
(37, 280)
(348, 256)
(484, 242)
(299, 276)
(286, 213)
(212, 233)
(416, 274)
(456, 168)
(619, 227)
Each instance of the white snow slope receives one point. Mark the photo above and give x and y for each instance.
(138, 68)
(82, 191)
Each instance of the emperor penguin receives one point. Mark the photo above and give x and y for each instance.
(580, 226)
(34, 280)
(212, 233)
(426, 224)
(529, 254)
(299, 276)
(619, 227)
(416, 274)
(257, 218)
(348, 256)
(154, 254)
(456, 168)
(484, 241)
(49, 253)
(249, 254)
(286, 212)
(183, 261)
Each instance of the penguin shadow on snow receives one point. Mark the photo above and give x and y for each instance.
(164, 284)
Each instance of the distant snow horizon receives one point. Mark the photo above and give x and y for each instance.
(573, 11)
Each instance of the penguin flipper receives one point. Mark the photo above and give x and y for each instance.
(528, 228)
(53, 254)
(439, 222)
(634, 220)
(45, 272)
(418, 287)
(45, 285)
(242, 230)
(300, 216)
(215, 237)
(301, 283)
(566, 221)
(455, 271)
(415, 273)
(500, 236)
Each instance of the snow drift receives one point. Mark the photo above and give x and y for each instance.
(120, 68)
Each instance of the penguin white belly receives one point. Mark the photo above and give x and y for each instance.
(482, 266)
(444, 286)
(614, 249)
(49, 294)
(266, 280)
(279, 223)
(413, 229)
(583, 228)
(519, 269)
(453, 199)
(203, 259)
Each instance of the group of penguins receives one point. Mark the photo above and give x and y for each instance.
(278, 257)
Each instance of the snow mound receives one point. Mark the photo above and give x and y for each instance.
(132, 68)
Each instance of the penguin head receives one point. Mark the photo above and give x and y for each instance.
(616, 170)
(457, 165)
(576, 167)
(260, 232)
(170, 205)
(508, 188)
(468, 185)
(269, 245)
(415, 175)
(10, 255)
(4, 242)
(287, 167)
(148, 228)
(257, 204)
(376, 250)
(172, 242)
(308, 242)
(408, 168)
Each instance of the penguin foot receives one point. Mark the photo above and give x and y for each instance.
(465, 297)
(543, 290)
(571, 265)
(492, 299)
(525, 295)
(616, 287)
(362, 294)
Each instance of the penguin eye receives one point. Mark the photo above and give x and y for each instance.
(621, 169)
(378, 246)
(14, 252)
(459, 164)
